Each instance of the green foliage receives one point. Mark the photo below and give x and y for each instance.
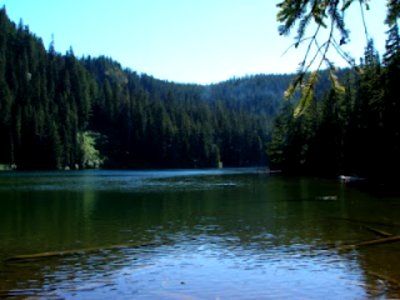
(392, 44)
(322, 15)
(393, 12)
(91, 157)
(307, 94)
(336, 84)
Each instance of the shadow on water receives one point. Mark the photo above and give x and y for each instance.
(222, 235)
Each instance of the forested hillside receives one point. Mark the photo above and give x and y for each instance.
(59, 111)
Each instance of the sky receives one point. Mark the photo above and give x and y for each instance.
(187, 41)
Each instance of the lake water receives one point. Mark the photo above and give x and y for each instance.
(193, 234)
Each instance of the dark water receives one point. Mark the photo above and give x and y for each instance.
(209, 234)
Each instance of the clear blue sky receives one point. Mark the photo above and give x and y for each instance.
(199, 41)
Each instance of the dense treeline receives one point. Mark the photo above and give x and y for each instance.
(58, 111)
(152, 123)
(354, 132)
(44, 101)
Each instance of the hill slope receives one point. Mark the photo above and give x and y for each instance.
(58, 111)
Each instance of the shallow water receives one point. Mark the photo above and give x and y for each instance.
(193, 234)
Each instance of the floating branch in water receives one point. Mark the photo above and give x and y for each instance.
(386, 240)
(378, 231)
(366, 222)
(50, 254)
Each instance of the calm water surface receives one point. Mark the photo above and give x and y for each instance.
(202, 234)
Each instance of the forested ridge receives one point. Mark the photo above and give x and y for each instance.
(58, 111)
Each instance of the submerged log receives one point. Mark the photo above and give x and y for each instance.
(366, 222)
(391, 239)
(395, 283)
(50, 254)
(378, 231)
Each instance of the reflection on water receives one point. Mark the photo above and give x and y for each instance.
(207, 234)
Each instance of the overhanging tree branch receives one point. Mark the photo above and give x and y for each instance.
(306, 13)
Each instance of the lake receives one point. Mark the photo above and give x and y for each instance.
(193, 234)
